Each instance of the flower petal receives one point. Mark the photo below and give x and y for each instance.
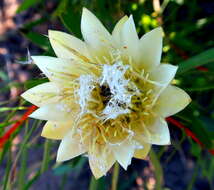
(54, 112)
(118, 29)
(156, 131)
(58, 69)
(93, 31)
(141, 153)
(100, 159)
(171, 101)
(150, 49)
(69, 148)
(163, 74)
(42, 94)
(124, 152)
(130, 40)
(56, 130)
(67, 46)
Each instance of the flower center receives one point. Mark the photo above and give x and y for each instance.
(113, 102)
(107, 96)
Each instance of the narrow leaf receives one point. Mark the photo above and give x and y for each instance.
(198, 60)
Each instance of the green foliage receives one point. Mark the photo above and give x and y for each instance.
(26, 4)
(38, 39)
(198, 60)
(34, 82)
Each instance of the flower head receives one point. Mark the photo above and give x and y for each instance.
(108, 95)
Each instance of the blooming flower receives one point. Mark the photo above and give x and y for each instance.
(108, 95)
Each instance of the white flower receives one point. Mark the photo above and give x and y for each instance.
(108, 95)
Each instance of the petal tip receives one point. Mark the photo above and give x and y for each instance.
(86, 12)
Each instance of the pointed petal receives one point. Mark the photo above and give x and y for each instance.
(118, 29)
(159, 78)
(58, 69)
(156, 131)
(93, 31)
(163, 74)
(130, 40)
(100, 160)
(56, 130)
(67, 46)
(69, 148)
(150, 49)
(42, 94)
(141, 153)
(171, 101)
(124, 152)
(54, 112)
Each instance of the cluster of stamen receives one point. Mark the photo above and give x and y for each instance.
(111, 103)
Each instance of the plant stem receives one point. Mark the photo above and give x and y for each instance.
(46, 156)
(115, 176)
(93, 183)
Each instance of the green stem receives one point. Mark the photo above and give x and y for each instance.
(46, 156)
(93, 183)
(115, 176)
(158, 169)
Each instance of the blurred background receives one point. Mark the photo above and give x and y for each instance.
(27, 161)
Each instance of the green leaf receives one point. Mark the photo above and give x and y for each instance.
(38, 39)
(26, 4)
(3, 109)
(195, 61)
(71, 21)
(200, 88)
(34, 82)
(200, 130)
(198, 125)
(32, 180)
(5, 124)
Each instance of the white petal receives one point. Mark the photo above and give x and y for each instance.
(54, 112)
(101, 160)
(150, 49)
(56, 130)
(171, 101)
(69, 148)
(58, 69)
(67, 46)
(93, 31)
(130, 40)
(163, 73)
(156, 131)
(124, 152)
(118, 29)
(141, 153)
(42, 94)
